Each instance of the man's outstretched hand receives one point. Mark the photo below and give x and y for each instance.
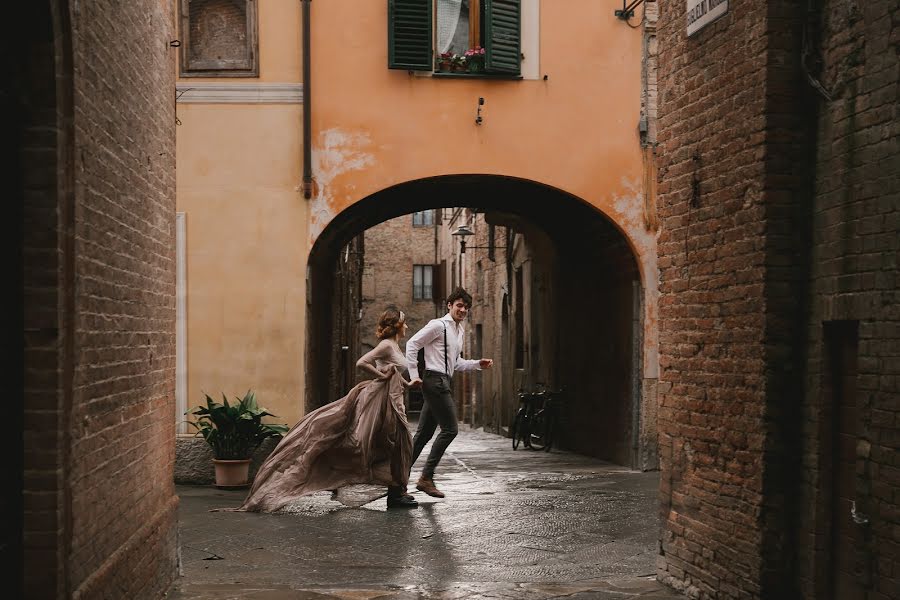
(486, 363)
(415, 383)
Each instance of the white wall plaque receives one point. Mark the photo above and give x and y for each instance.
(701, 13)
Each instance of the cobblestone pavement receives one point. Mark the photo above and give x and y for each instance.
(523, 525)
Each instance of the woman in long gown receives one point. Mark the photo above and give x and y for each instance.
(363, 438)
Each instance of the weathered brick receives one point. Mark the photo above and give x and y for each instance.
(104, 314)
(745, 132)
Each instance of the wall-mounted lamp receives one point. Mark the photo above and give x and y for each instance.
(463, 232)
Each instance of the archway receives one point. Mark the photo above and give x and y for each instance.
(585, 335)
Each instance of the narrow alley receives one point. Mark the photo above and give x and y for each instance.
(515, 524)
(681, 220)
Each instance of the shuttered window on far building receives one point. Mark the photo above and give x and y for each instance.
(422, 282)
(415, 45)
(423, 218)
(219, 38)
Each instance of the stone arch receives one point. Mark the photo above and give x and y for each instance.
(588, 241)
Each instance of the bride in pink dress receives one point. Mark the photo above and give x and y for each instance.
(363, 438)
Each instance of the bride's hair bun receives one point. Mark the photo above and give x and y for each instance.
(390, 323)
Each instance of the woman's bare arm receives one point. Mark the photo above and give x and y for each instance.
(366, 362)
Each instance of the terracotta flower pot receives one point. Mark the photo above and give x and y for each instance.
(232, 473)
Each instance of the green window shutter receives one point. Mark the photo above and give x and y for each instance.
(409, 35)
(502, 35)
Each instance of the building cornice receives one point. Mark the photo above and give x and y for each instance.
(239, 93)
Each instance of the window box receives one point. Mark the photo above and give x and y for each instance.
(466, 75)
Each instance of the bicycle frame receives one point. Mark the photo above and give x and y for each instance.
(529, 407)
(535, 422)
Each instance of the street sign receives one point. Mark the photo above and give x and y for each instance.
(701, 13)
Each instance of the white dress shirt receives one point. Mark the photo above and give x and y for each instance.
(431, 337)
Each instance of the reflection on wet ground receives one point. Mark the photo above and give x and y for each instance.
(517, 524)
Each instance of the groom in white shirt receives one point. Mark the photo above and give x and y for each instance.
(442, 341)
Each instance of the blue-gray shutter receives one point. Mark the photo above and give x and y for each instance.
(409, 35)
(502, 26)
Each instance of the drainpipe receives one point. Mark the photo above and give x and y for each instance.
(307, 107)
(437, 262)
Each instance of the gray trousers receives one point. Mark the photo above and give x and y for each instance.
(438, 409)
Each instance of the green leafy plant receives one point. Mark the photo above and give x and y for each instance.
(458, 62)
(234, 431)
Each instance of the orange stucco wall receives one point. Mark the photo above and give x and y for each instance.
(238, 171)
(576, 131)
(239, 166)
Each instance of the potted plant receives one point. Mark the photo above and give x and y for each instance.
(234, 432)
(458, 63)
(444, 61)
(475, 59)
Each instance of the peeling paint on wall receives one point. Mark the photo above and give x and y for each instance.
(628, 205)
(629, 214)
(337, 152)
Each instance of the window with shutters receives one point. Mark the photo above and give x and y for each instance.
(419, 31)
(423, 218)
(219, 38)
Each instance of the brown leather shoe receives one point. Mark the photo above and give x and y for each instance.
(427, 486)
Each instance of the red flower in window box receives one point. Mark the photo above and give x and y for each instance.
(475, 59)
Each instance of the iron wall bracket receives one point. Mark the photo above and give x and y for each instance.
(627, 10)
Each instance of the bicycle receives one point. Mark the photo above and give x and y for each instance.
(535, 421)
(529, 426)
(545, 420)
(521, 430)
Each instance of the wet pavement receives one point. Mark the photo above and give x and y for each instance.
(523, 525)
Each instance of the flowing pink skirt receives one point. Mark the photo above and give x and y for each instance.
(363, 438)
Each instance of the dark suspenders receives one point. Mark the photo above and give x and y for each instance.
(446, 368)
(446, 353)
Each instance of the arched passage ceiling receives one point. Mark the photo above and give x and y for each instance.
(568, 220)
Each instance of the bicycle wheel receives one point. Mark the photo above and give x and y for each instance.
(537, 435)
(549, 430)
(516, 429)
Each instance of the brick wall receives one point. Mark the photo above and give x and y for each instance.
(491, 393)
(392, 249)
(96, 144)
(712, 259)
(121, 431)
(855, 248)
(41, 488)
(778, 197)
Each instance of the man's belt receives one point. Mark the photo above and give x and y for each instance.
(427, 371)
